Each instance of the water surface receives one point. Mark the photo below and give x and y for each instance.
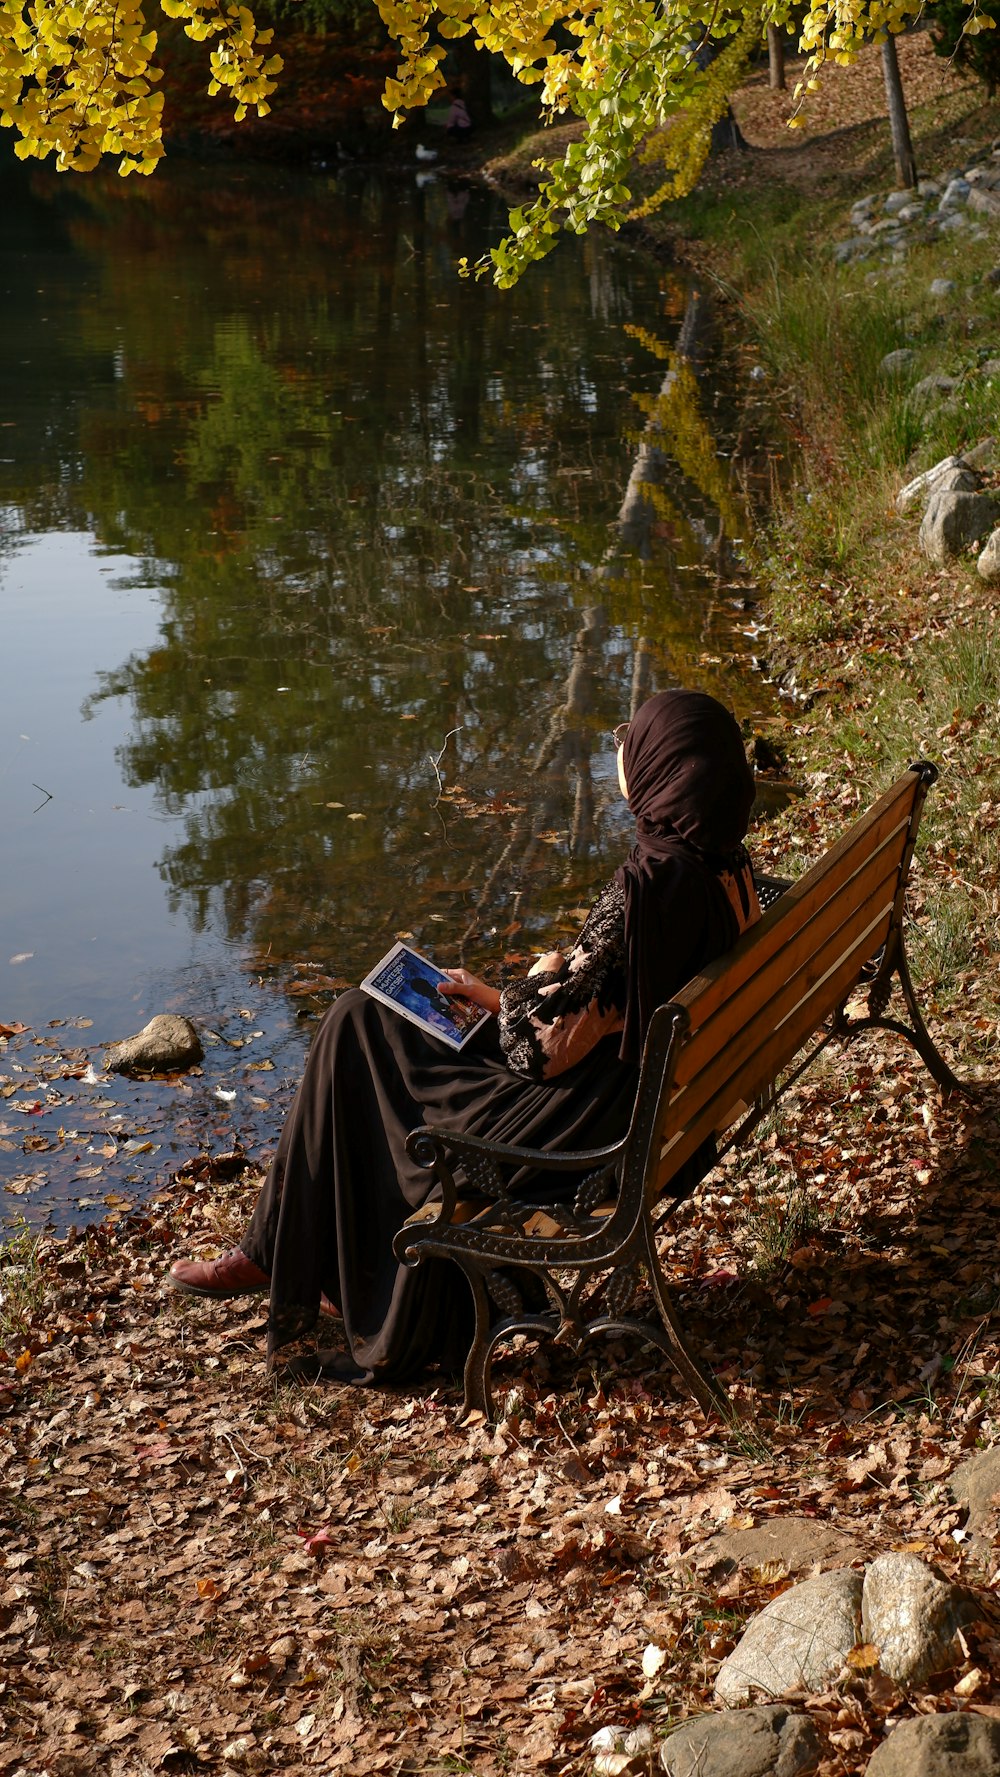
(323, 576)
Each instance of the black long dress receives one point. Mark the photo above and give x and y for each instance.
(341, 1183)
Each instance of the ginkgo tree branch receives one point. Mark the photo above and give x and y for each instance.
(77, 80)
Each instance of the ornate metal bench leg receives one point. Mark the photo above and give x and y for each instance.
(707, 1392)
(922, 1040)
(478, 1395)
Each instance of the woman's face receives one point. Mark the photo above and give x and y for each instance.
(623, 786)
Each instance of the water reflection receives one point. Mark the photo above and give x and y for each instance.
(415, 544)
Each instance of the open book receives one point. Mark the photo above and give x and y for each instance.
(406, 981)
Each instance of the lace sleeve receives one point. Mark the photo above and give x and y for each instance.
(549, 1022)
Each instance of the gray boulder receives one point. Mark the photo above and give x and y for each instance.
(911, 213)
(982, 455)
(896, 364)
(952, 221)
(765, 1742)
(922, 486)
(976, 1483)
(896, 201)
(863, 209)
(798, 1641)
(984, 201)
(928, 188)
(990, 368)
(912, 1615)
(939, 1746)
(988, 568)
(956, 192)
(942, 286)
(954, 520)
(930, 386)
(166, 1045)
(845, 251)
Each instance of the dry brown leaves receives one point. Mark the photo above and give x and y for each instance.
(207, 1569)
(847, 96)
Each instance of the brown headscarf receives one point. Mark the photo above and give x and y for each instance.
(687, 880)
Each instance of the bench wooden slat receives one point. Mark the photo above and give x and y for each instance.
(888, 817)
(759, 1071)
(763, 995)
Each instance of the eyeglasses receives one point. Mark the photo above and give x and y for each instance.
(618, 734)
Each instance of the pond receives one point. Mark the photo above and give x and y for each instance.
(323, 575)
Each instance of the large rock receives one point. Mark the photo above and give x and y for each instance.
(988, 566)
(912, 1615)
(976, 1483)
(984, 201)
(930, 386)
(764, 1742)
(954, 520)
(791, 1543)
(982, 455)
(922, 486)
(798, 1641)
(896, 364)
(166, 1045)
(939, 1746)
(956, 193)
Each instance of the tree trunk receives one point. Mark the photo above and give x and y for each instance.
(902, 147)
(775, 59)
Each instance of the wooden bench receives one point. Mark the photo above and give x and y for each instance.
(715, 1061)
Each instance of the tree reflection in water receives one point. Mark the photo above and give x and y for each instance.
(385, 507)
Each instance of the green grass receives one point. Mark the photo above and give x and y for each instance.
(22, 1286)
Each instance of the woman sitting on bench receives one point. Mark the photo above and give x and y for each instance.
(556, 1068)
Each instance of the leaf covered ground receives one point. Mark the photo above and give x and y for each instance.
(207, 1568)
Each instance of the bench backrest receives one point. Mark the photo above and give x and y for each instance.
(753, 1009)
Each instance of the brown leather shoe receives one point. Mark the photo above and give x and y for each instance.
(231, 1275)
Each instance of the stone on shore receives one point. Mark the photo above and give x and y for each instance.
(912, 1615)
(988, 568)
(798, 1641)
(765, 1742)
(954, 520)
(166, 1045)
(950, 1745)
(929, 386)
(922, 486)
(976, 1483)
(896, 364)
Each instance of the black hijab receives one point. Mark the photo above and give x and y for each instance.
(691, 791)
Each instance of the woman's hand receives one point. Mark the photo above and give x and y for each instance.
(469, 987)
(548, 964)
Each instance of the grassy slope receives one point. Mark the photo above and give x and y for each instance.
(897, 658)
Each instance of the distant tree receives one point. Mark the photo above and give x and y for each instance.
(899, 123)
(963, 39)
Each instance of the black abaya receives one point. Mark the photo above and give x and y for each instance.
(341, 1183)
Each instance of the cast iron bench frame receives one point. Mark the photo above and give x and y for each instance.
(715, 1061)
